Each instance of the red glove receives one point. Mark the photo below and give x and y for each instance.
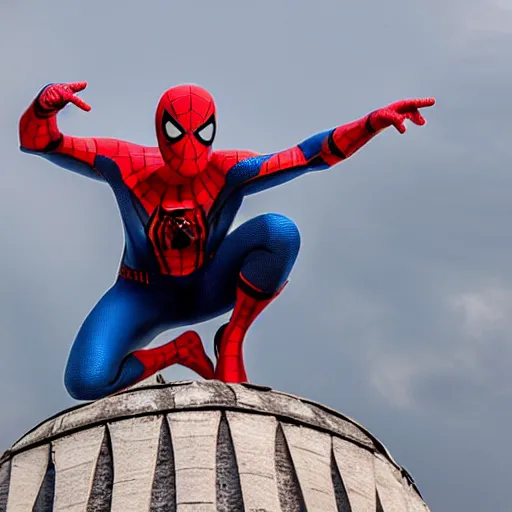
(396, 113)
(56, 96)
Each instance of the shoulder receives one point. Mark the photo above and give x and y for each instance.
(225, 160)
(135, 162)
(240, 166)
(124, 152)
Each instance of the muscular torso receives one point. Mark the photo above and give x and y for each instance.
(175, 220)
(178, 226)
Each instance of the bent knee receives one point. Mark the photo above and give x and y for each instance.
(85, 382)
(281, 233)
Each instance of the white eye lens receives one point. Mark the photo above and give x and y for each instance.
(207, 132)
(172, 131)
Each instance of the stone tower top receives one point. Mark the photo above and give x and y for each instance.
(203, 447)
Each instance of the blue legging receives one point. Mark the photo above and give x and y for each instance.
(131, 314)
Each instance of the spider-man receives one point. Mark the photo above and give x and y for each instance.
(177, 201)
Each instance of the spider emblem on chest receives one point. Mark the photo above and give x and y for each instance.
(178, 236)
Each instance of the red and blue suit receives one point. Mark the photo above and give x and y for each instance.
(178, 200)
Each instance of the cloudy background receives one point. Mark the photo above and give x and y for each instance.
(399, 311)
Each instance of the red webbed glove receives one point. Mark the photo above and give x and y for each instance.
(56, 96)
(396, 113)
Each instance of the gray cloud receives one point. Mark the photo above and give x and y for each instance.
(398, 311)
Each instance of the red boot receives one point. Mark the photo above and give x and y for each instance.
(186, 350)
(250, 302)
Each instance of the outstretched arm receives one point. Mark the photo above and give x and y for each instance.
(324, 149)
(40, 134)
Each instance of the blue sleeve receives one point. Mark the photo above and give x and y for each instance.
(69, 163)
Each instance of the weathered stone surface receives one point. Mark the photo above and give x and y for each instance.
(194, 437)
(28, 470)
(134, 452)
(203, 446)
(355, 466)
(254, 440)
(75, 458)
(5, 476)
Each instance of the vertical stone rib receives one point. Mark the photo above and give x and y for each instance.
(310, 451)
(229, 492)
(5, 475)
(134, 448)
(357, 472)
(254, 441)
(46, 495)
(100, 497)
(28, 470)
(340, 493)
(390, 490)
(414, 502)
(75, 459)
(290, 494)
(194, 438)
(163, 495)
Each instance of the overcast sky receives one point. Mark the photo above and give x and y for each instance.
(399, 310)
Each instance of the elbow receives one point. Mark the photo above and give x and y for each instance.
(22, 138)
(26, 131)
(25, 143)
(37, 134)
(24, 149)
